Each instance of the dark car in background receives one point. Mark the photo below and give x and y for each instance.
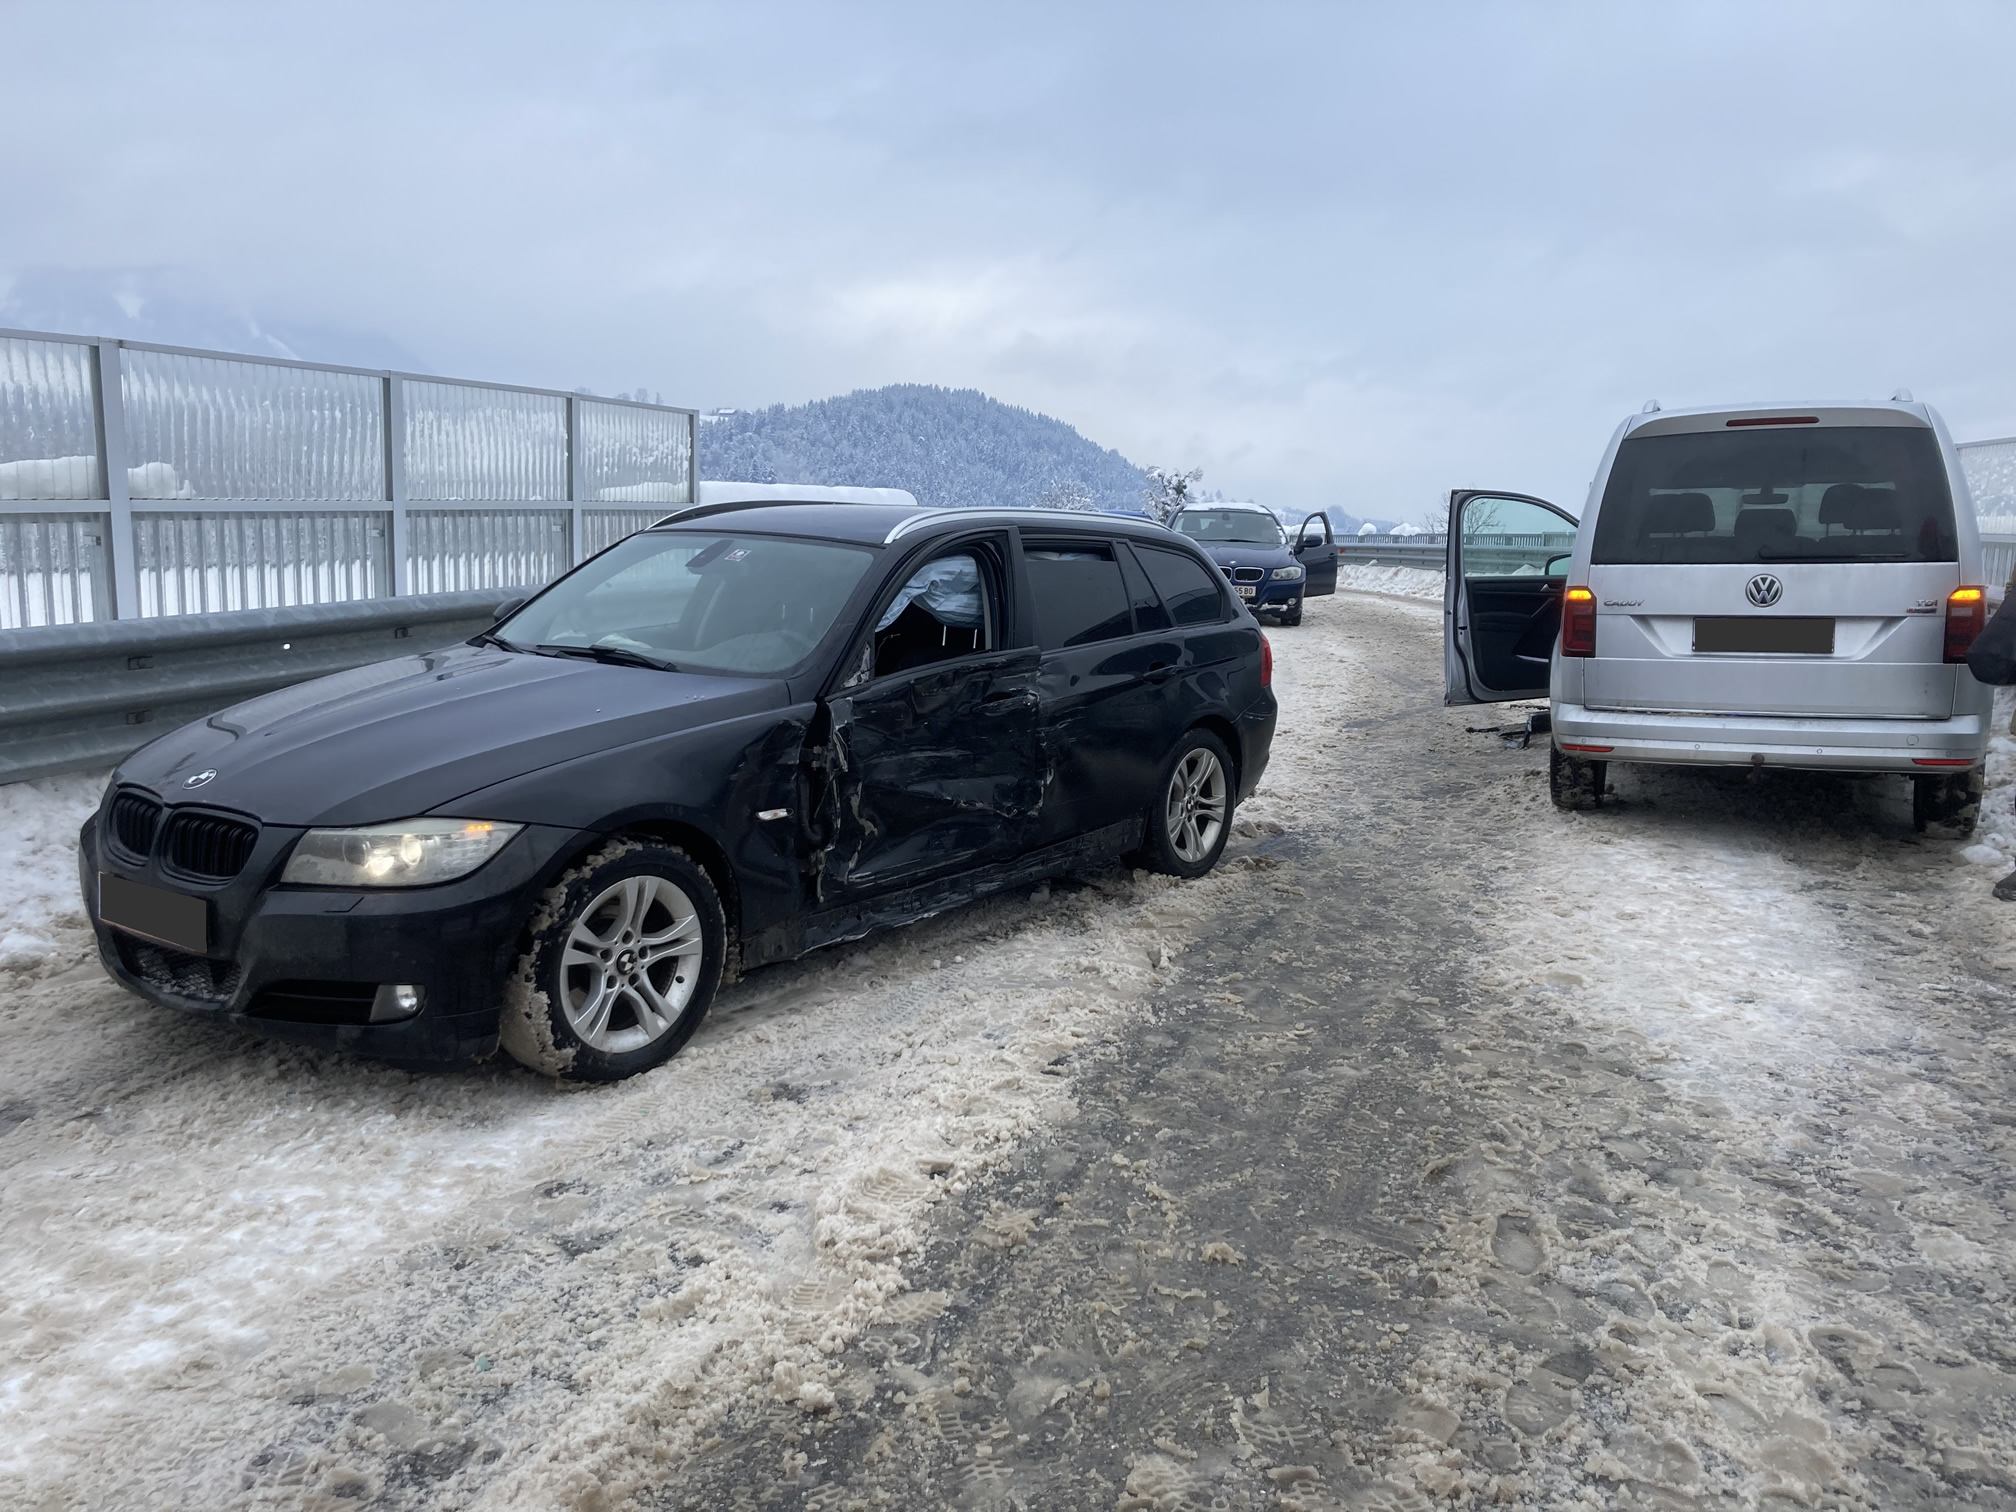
(750, 731)
(1271, 571)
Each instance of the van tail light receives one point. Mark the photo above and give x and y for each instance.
(1966, 615)
(1266, 662)
(1578, 623)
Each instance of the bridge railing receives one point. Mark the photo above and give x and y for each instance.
(140, 481)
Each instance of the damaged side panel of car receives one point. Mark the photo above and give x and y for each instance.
(928, 771)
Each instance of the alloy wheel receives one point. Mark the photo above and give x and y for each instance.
(1194, 809)
(631, 964)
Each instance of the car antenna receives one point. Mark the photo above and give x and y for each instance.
(1902, 396)
(1651, 407)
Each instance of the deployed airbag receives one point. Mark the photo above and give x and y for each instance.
(947, 589)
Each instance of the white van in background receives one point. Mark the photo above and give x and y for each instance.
(1782, 587)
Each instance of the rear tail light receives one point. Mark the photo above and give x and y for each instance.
(1966, 613)
(1578, 622)
(1266, 663)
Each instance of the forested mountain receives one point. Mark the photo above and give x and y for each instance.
(949, 447)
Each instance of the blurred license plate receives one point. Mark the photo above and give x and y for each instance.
(154, 913)
(1774, 634)
(1246, 590)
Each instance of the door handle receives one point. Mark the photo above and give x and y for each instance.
(1159, 672)
(1002, 695)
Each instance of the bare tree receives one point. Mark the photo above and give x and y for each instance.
(1168, 490)
(1074, 496)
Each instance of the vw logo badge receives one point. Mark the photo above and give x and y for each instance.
(198, 779)
(1764, 590)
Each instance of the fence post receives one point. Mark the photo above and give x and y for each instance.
(574, 536)
(119, 539)
(395, 482)
(693, 458)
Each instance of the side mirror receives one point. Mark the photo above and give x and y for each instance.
(509, 607)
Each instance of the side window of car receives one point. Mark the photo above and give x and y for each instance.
(1148, 611)
(1077, 592)
(1193, 593)
(947, 608)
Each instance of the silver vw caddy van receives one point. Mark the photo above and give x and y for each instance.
(1784, 587)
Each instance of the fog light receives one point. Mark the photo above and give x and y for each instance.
(396, 1001)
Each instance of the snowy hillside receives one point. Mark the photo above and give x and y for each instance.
(949, 447)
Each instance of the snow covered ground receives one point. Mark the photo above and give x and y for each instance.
(240, 1273)
(1707, 1133)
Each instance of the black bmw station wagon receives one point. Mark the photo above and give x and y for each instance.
(747, 732)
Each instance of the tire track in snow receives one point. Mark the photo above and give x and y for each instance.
(1658, 1157)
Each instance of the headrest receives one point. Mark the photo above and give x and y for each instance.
(1853, 507)
(1679, 514)
(1757, 525)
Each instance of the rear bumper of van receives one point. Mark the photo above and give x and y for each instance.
(1837, 745)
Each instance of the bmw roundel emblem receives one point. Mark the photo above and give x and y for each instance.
(196, 780)
(1764, 590)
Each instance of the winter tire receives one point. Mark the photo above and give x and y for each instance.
(622, 958)
(1574, 783)
(1951, 800)
(1191, 817)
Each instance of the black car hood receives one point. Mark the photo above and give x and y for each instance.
(1241, 554)
(408, 736)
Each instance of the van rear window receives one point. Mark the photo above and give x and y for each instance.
(1838, 494)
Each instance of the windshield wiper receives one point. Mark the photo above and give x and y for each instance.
(614, 656)
(489, 638)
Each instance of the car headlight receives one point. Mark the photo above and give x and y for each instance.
(410, 853)
(1288, 574)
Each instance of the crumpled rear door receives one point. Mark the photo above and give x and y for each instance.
(927, 773)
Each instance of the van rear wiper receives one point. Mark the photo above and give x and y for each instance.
(614, 656)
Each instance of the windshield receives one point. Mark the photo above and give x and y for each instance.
(1244, 527)
(1838, 494)
(755, 605)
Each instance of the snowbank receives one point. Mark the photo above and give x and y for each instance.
(1403, 582)
(38, 835)
(77, 478)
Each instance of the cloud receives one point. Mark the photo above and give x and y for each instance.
(1335, 254)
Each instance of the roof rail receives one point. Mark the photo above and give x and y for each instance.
(701, 511)
(929, 517)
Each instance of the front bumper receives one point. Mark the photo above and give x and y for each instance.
(1825, 745)
(456, 941)
(1279, 597)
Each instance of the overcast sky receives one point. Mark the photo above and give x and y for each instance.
(1337, 253)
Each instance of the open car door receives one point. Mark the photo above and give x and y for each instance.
(1316, 550)
(1501, 608)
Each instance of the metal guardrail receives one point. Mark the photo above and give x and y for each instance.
(79, 697)
(1386, 551)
